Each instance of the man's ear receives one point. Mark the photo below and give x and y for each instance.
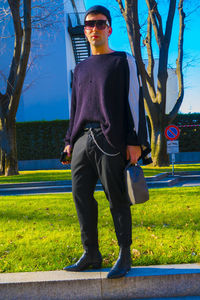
(109, 31)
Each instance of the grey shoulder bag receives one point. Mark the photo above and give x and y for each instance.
(136, 185)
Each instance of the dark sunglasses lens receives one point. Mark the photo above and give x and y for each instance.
(90, 23)
(100, 24)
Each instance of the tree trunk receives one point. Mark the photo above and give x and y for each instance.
(11, 164)
(2, 162)
(159, 146)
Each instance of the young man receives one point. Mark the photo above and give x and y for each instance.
(106, 130)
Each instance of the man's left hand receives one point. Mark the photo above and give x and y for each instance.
(133, 153)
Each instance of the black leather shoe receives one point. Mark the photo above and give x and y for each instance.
(122, 265)
(88, 259)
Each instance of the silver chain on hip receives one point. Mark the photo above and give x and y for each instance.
(92, 135)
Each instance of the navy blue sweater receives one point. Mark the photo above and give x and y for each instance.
(100, 93)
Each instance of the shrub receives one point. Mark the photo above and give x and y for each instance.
(40, 140)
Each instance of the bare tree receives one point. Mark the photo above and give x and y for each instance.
(27, 15)
(155, 98)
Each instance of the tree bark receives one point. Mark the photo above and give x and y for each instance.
(159, 144)
(11, 163)
(179, 63)
(2, 162)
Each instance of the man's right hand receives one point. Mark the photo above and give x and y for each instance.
(68, 150)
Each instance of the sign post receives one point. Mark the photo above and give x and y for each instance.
(172, 133)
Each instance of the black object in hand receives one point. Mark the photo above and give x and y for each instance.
(65, 157)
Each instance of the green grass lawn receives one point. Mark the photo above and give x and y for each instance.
(33, 176)
(48, 175)
(41, 232)
(151, 171)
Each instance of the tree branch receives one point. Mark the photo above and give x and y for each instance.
(179, 63)
(133, 28)
(21, 72)
(14, 7)
(150, 67)
(121, 7)
(169, 23)
(155, 20)
(163, 59)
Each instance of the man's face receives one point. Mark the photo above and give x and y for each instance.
(97, 37)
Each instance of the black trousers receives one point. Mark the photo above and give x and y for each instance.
(88, 165)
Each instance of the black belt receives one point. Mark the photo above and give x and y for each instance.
(92, 125)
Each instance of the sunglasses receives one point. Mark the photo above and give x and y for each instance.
(100, 24)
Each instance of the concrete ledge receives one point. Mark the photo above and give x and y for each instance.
(141, 282)
(36, 184)
(157, 177)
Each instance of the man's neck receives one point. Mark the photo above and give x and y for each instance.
(99, 50)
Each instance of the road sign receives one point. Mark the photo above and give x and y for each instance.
(172, 147)
(172, 132)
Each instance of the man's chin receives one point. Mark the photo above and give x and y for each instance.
(95, 43)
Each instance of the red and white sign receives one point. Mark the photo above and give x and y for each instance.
(172, 132)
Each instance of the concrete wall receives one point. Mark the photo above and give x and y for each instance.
(187, 157)
(40, 164)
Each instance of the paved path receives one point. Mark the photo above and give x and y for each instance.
(163, 180)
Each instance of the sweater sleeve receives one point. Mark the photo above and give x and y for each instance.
(136, 113)
(131, 138)
(72, 112)
(132, 103)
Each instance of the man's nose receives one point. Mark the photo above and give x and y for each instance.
(95, 27)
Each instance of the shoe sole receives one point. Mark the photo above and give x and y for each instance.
(118, 276)
(93, 266)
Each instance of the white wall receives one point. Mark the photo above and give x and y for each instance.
(70, 59)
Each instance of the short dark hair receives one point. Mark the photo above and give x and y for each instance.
(99, 9)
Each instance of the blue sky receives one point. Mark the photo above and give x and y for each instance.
(119, 41)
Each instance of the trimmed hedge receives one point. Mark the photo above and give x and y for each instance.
(44, 139)
(189, 140)
(40, 140)
(187, 119)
